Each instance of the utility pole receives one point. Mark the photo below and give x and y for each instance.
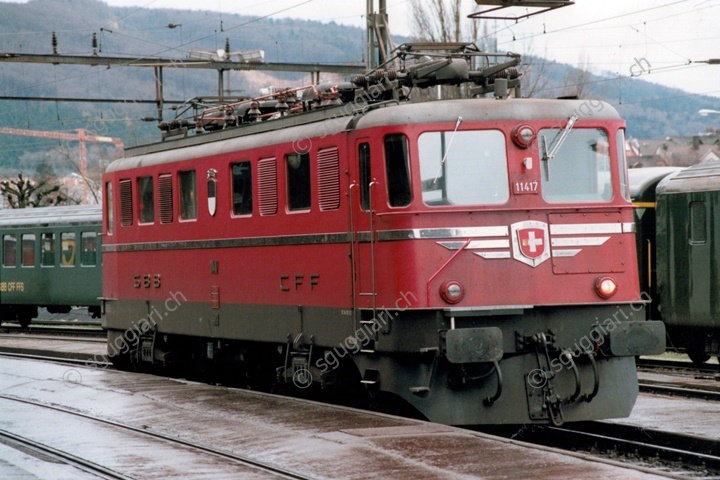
(379, 43)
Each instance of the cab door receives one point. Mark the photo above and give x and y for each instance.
(362, 191)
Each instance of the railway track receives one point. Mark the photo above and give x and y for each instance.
(188, 446)
(679, 379)
(59, 456)
(679, 391)
(77, 329)
(673, 454)
(655, 364)
(59, 359)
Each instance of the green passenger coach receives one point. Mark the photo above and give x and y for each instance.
(688, 274)
(49, 257)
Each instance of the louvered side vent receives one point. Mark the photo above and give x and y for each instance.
(126, 206)
(328, 165)
(166, 198)
(267, 186)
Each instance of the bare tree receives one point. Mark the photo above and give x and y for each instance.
(535, 78)
(577, 83)
(441, 21)
(24, 192)
(90, 180)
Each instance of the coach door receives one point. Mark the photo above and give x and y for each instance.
(362, 223)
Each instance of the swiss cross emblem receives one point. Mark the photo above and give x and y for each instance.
(530, 242)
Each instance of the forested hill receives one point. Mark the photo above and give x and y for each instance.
(651, 110)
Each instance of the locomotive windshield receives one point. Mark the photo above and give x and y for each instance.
(474, 170)
(580, 171)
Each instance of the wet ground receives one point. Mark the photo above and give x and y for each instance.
(319, 440)
(676, 414)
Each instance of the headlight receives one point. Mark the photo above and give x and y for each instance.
(452, 291)
(605, 286)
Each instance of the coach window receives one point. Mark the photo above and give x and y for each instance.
(147, 199)
(27, 257)
(463, 168)
(397, 166)
(67, 252)
(580, 169)
(242, 188)
(48, 250)
(365, 175)
(298, 181)
(698, 223)
(9, 250)
(88, 242)
(188, 195)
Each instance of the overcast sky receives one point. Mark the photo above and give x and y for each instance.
(663, 36)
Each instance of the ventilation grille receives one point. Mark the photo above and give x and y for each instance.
(166, 198)
(328, 166)
(126, 206)
(267, 186)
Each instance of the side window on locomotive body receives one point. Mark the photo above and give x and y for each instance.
(242, 188)
(365, 175)
(397, 167)
(109, 218)
(146, 203)
(297, 170)
(622, 164)
(187, 181)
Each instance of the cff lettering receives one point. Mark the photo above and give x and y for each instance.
(299, 281)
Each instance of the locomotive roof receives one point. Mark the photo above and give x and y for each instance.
(643, 178)
(702, 177)
(48, 216)
(342, 118)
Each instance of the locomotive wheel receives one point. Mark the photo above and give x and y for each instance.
(698, 356)
(24, 321)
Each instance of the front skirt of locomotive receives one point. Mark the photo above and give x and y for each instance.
(516, 366)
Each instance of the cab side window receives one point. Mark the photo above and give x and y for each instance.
(397, 164)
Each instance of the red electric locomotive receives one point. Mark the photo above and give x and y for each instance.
(473, 256)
